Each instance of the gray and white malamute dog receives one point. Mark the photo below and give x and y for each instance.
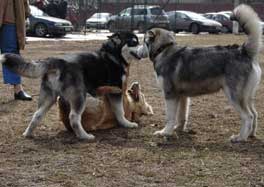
(185, 72)
(73, 76)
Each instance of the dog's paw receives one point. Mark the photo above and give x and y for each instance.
(27, 134)
(163, 132)
(131, 125)
(253, 135)
(87, 137)
(237, 139)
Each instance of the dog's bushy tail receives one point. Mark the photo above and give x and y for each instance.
(250, 22)
(19, 65)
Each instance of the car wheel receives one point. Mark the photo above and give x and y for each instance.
(195, 28)
(141, 28)
(41, 30)
(111, 26)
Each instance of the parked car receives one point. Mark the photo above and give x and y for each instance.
(227, 12)
(222, 18)
(192, 22)
(262, 24)
(41, 25)
(139, 17)
(98, 21)
(27, 23)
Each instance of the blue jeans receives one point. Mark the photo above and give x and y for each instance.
(9, 44)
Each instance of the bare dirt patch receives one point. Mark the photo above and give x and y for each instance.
(129, 157)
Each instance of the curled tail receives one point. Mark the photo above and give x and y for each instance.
(20, 66)
(250, 22)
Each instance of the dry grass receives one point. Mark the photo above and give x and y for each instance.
(125, 157)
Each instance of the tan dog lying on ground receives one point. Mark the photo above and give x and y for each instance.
(98, 114)
(136, 103)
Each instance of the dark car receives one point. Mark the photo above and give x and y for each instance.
(224, 19)
(41, 25)
(192, 22)
(139, 17)
(98, 21)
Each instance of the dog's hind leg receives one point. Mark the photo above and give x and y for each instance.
(252, 88)
(182, 114)
(77, 104)
(255, 119)
(171, 110)
(46, 100)
(116, 103)
(241, 104)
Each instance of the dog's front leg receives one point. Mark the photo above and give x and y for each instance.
(116, 103)
(171, 109)
(182, 114)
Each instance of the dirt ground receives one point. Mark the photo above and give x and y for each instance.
(129, 157)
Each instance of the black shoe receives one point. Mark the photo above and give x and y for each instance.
(21, 95)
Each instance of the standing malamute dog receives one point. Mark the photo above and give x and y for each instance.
(184, 72)
(72, 76)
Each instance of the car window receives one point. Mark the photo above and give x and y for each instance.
(208, 16)
(221, 18)
(139, 11)
(212, 17)
(127, 12)
(123, 12)
(218, 18)
(36, 12)
(177, 15)
(100, 15)
(224, 18)
(157, 11)
(181, 16)
(194, 15)
(172, 14)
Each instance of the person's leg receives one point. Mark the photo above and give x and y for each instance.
(9, 44)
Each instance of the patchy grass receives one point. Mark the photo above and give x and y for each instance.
(129, 157)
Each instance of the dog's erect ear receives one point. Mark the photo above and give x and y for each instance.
(150, 35)
(113, 35)
(116, 38)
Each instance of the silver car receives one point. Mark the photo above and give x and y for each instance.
(192, 22)
(98, 21)
(139, 17)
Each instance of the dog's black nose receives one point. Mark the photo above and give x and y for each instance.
(133, 42)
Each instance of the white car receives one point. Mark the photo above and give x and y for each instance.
(98, 21)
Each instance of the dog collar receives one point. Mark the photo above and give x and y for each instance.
(162, 48)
